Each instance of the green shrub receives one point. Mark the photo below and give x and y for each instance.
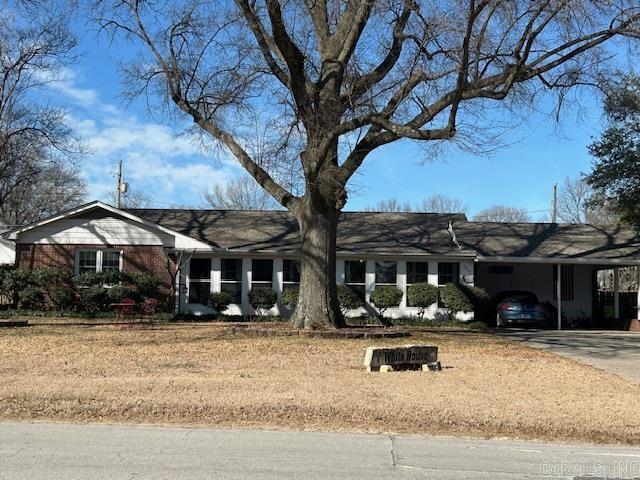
(51, 277)
(14, 281)
(290, 297)
(63, 297)
(348, 298)
(386, 296)
(118, 293)
(32, 298)
(146, 284)
(464, 299)
(219, 301)
(263, 298)
(422, 295)
(94, 298)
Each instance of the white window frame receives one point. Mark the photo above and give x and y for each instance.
(190, 280)
(289, 283)
(362, 284)
(98, 252)
(233, 282)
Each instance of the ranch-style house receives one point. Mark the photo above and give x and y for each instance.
(196, 252)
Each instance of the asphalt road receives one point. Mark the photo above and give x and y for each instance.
(61, 451)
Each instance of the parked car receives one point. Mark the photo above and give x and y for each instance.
(521, 308)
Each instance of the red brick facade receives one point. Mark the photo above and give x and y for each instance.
(135, 258)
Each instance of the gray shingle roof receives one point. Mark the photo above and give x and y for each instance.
(277, 231)
(548, 240)
(402, 234)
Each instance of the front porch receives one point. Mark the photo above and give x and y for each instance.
(597, 294)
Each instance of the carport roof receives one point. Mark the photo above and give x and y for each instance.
(549, 241)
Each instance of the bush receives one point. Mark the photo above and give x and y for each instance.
(146, 284)
(63, 297)
(460, 298)
(422, 295)
(290, 297)
(14, 281)
(149, 306)
(219, 301)
(94, 298)
(386, 296)
(348, 298)
(51, 277)
(118, 293)
(263, 298)
(32, 298)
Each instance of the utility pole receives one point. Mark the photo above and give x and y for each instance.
(554, 207)
(119, 184)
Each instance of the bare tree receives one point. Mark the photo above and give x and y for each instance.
(502, 213)
(390, 205)
(336, 80)
(50, 189)
(442, 204)
(242, 193)
(576, 204)
(36, 145)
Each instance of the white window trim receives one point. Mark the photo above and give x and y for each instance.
(233, 282)
(189, 280)
(286, 283)
(99, 252)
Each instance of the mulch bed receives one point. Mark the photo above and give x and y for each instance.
(283, 330)
(13, 323)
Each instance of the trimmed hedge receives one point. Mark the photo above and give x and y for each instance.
(422, 295)
(385, 297)
(464, 299)
(348, 298)
(290, 297)
(263, 298)
(219, 301)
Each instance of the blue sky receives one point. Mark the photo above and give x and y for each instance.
(173, 171)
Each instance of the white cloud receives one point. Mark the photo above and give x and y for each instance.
(66, 82)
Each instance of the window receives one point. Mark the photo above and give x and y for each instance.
(231, 278)
(354, 275)
(98, 260)
(566, 287)
(386, 273)
(447, 273)
(199, 280)
(417, 272)
(290, 274)
(87, 261)
(261, 273)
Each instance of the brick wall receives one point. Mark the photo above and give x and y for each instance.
(135, 258)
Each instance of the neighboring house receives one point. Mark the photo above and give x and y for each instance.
(235, 251)
(7, 249)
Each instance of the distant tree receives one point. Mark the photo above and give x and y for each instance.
(37, 147)
(390, 205)
(242, 193)
(134, 198)
(502, 213)
(443, 204)
(52, 188)
(615, 177)
(577, 203)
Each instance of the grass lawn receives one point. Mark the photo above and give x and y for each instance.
(199, 375)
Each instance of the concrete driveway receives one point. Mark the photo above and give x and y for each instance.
(618, 352)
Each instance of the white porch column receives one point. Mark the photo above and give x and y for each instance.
(401, 282)
(339, 271)
(559, 295)
(370, 279)
(432, 274)
(215, 274)
(616, 293)
(246, 286)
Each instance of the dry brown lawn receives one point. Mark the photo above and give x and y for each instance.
(199, 375)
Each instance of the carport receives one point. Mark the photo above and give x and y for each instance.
(560, 264)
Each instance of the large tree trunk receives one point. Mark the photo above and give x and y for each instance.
(318, 301)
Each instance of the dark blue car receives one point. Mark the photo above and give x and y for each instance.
(520, 308)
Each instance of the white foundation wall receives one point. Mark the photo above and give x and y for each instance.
(538, 278)
(466, 269)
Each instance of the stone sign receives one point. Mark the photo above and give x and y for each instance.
(402, 357)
